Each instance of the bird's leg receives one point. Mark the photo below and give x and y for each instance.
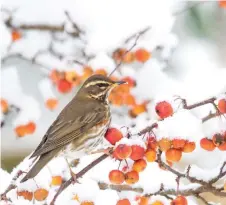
(73, 175)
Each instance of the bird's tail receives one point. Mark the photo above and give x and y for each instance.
(42, 161)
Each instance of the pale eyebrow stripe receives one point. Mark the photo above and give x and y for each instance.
(97, 82)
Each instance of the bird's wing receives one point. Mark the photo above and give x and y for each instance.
(68, 127)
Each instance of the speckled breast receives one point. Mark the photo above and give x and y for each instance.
(86, 144)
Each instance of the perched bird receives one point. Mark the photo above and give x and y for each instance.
(80, 126)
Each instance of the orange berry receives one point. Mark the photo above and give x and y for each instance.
(164, 144)
(164, 109)
(87, 72)
(4, 106)
(138, 109)
(26, 195)
(20, 130)
(116, 177)
(123, 202)
(180, 200)
(137, 152)
(101, 71)
(143, 200)
(121, 55)
(87, 203)
(130, 81)
(157, 203)
(123, 151)
(222, 3)
(121, 90)
(222, 147)
(131, 177)
(129, 100)
(224, 186)
(113, 135)
(178, 143)
(64, 86)
(115, 99)
(139, 165)
(173, 155)
(142, 55)
(30, 128)
(56, 75)
(56, 180)
(218, 139)
(117, 54)
(222, 105)
(41, 194)
(189, 147)
(51, 103)
(16, 35)
(207, 144)
(72, 77)
(169, 163)
(150, 155)
(128, 57)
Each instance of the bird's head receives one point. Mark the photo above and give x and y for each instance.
(98, 87)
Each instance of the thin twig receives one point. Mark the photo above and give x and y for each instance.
(198, 104)
(131, 48)
(75, 26)
(220, 175)
(161, 191)
(135, 35)
(210, 116)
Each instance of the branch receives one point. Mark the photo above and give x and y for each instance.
(78, 175)
(220, 175)
(148, 129)
(198, 104)
(163, 192)
(211, 115)
(178, 174)
(75, 26)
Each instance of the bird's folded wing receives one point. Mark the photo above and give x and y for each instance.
(63, 132)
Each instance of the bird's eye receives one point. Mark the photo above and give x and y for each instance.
(102, 85)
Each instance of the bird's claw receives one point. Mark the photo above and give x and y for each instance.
(74, 178)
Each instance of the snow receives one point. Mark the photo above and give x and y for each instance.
(46, 87)
(104, 31)
(106, 197)
(181, 125)
(5, 180)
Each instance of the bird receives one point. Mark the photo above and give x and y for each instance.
(79, 128)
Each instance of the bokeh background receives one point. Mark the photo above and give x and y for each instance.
(195, 52)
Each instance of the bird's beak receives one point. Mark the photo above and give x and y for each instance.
(120, 82)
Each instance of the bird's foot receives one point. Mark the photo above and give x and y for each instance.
(74, 178)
